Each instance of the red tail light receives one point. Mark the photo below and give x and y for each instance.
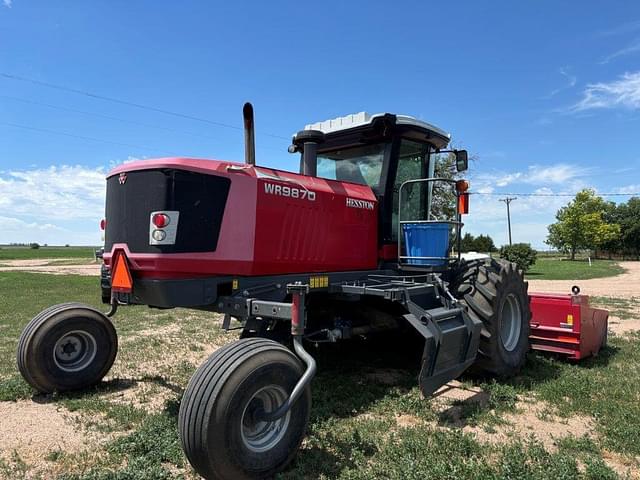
(160, 220)
(103, 224)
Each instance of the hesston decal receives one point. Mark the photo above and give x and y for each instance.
(364, 204)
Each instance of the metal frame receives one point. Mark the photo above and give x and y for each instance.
(457, 224)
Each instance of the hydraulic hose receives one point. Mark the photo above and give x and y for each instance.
(114, 308)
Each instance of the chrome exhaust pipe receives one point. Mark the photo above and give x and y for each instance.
(249, 135)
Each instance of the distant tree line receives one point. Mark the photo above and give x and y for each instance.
(33, 245)
(588, 222)
(481, 243)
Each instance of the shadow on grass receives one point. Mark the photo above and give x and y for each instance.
(465, 412)
(356, 374)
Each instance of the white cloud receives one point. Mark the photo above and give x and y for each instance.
(561, 173)
(621, 29)
(543, 121)
(623, 92)
(55, 205)
(530, 215)
(571, 81)
(15, 230)
(628, 189)
(64, 193)
(628, 50)
(7, 3)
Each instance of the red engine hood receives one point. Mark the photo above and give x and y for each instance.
(225, 167)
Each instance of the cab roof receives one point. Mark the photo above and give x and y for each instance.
(363, 121)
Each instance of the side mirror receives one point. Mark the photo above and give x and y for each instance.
(462, 160)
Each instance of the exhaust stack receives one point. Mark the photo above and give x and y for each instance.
(249, 137)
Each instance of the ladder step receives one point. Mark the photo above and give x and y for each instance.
(442, 313)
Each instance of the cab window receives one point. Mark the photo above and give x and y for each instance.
(412, 164)
(361, 164)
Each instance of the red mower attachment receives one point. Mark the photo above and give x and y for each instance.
(567, 325)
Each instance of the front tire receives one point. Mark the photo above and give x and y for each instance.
(220, 434)
(495, 293)
(66, 347)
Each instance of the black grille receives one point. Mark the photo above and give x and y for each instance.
(199, 198)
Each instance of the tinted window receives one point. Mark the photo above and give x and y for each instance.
(361, 165)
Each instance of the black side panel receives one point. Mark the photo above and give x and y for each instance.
(199, 198)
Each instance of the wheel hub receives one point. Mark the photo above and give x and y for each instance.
(74, 351)
(70, 347)
(510, 322)
(258, 435)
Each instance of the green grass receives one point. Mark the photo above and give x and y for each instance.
(623, 308)
(26, 253)
(606, 387)
(353, 433)
(563, 269)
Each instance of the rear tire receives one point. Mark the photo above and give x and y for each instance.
(219, 434)
(495, 293)
(66, 347)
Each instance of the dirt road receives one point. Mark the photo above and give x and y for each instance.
(626, 285)
(57, 266)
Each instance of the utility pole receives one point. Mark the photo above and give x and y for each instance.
(508, 200)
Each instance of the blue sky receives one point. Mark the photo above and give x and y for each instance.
(545, 94)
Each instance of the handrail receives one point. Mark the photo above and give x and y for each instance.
(456, 223)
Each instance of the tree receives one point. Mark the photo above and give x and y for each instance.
(628, 216)
(581, 224)
(467, 243)
(612, 215)
(481, 243)
(484, 243)
(443, 196)
(519, 253)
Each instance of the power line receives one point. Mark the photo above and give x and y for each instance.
(82, 137)
(108, 117)
(555, 194)
(128, 103)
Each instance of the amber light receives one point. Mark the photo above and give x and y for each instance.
(462, 186)
(463, 203)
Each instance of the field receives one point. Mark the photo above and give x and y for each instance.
(23, 253)
(554, 268)
(554, 420)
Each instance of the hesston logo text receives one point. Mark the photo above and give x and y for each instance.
(354, 203)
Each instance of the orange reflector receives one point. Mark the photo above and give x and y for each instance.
(120, 276)
(463, 203)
